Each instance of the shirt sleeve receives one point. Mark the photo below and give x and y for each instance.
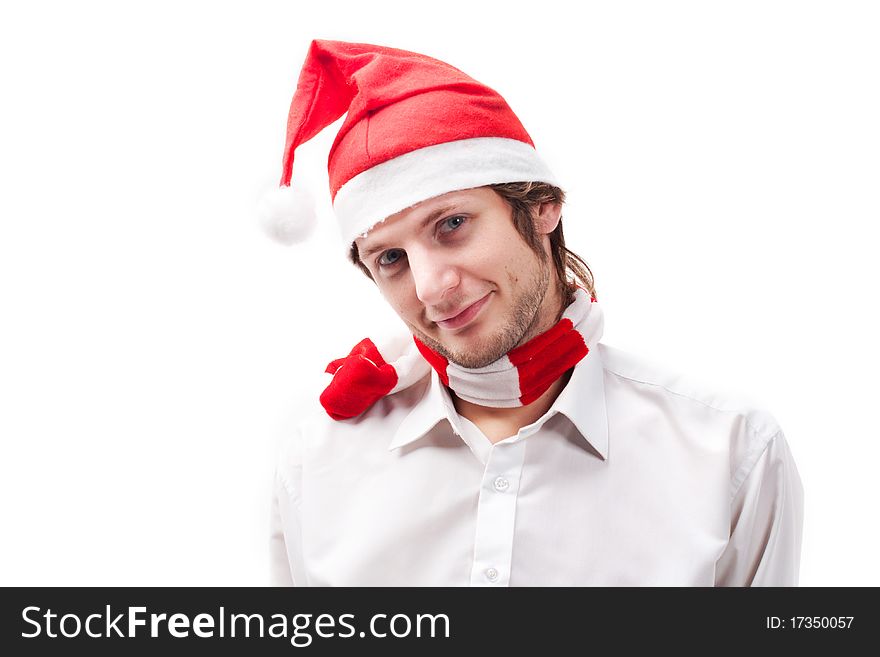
(766, 526)
(285, 534)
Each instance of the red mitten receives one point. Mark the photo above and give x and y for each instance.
(359, 380)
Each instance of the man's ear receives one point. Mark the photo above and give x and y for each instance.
(547, 217)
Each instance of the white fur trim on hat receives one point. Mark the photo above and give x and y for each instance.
(387, 188)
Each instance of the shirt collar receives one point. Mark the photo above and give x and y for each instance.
(582, 401)
(426, 414)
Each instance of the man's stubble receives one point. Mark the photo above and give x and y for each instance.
(518, 327)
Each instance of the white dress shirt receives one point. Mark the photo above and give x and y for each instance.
(636, 476)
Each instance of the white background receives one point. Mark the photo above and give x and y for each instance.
(722, 162)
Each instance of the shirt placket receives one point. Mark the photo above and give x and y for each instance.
(496, 514)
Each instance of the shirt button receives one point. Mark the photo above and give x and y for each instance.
(491, 574)
(501, 484)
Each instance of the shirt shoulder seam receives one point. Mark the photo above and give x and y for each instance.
(749, 462)
(768, 434)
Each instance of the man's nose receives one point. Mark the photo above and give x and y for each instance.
(433, 277)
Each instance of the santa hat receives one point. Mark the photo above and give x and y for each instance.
(416, 128)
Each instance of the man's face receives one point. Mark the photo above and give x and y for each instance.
(457, 272)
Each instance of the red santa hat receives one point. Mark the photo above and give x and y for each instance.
(416, 128)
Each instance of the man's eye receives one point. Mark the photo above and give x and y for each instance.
(451, 223)
(390, 257)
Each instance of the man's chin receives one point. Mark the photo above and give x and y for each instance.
(469, 354)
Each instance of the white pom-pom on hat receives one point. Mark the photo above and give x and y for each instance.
(287, 213)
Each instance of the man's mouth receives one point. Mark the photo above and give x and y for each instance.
(464, 316)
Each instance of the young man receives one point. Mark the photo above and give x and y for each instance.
(503, 445)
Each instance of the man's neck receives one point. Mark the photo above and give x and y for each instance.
(500, 423)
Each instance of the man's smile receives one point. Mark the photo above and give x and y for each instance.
(465, 316)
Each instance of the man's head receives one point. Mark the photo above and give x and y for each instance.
(473, 266)
(474, 273)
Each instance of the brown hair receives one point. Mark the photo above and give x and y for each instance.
(523, 198)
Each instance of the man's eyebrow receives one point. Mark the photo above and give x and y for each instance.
(433, 216)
